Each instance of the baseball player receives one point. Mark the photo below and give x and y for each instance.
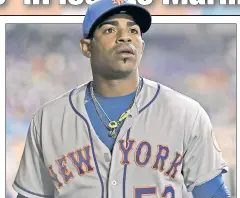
(120, 135)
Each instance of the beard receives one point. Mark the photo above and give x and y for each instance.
(115, 74)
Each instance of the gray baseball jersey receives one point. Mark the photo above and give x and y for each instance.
(166, 142)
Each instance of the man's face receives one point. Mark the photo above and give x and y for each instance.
(116, 48)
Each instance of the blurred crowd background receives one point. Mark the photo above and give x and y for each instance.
(44, 61)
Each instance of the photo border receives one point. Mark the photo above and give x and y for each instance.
(79, 19)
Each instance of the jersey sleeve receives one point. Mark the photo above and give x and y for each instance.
(202, 158)
(33, 179)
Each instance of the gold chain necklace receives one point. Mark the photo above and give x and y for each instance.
(113, 124)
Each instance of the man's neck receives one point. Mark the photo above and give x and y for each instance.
(114, 88)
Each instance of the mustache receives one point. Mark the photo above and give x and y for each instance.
(125, 47)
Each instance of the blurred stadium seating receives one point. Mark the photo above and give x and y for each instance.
(44, 60)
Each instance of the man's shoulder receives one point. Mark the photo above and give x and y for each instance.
(62, 102)
(175, 96)
(172, 98)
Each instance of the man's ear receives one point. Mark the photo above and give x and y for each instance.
(85, 45)
(143, 46)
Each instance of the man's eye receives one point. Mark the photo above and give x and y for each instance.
(133, 31)
(109, 30)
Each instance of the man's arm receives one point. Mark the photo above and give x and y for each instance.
(33, 178)
(214, 188)
(203, 158)
(20, 196)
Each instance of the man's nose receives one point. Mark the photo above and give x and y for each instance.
(124, 37)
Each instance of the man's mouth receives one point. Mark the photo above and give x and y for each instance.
(125, 51)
